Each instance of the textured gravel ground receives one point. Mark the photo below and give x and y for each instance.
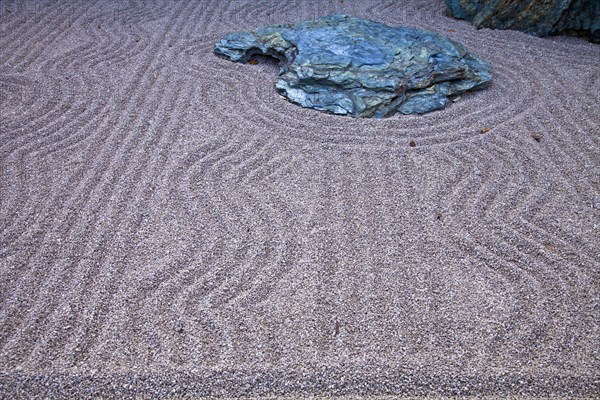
(171, 227)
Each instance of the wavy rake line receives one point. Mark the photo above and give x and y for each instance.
(183, 266)
(15, 39)
(564, 161)
(543, 51)
(71, 276)
(466, 181)
(114, 46)
(78, 193)
(392, 193)
(175, 272)
(563, 289)
(98, 47)
(94, 48)
(68, 129)
(445, 278)
(32, 44)
(244, 266)
(278, 11)
(477, 195)
(80, 132)
(424, 15)
(314, 9)
(466, 242)
(520, 205)
(521, 290)
(379, 218)
(104, 285)
(556, 113)
(212, 19)
(131, 89)
(58, 31)
(54, 124)
(330, 249)
(260, 153)
(12, 18)
(267, 167)
(208, 154)
(140, 12)
(201, 43)
(235, 17)
(530, 50)
(187, 278)
(390, 12)
(210, 178)
(571, 82)
(263, 274)
(72, 112)
(105, 47)
(524, 209)
(10, 91)
(18, 93)
(593, 85)
(373, 216)
(190, 40)
(12, 136)
(581, 165)
(139, 15)
(480, 197)
(123, 55)
(200, 14)
(34, 118)
(251, 15)
(193, 50)
(153, 157)
(212, 290)
(510, 241)
(583, 126)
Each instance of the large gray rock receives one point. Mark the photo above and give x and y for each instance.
(538, 17)
(352, 66)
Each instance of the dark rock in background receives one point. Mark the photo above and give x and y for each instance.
(352, 66)
(538, 17)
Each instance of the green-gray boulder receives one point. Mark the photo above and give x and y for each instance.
(537, 17)
(352, 66)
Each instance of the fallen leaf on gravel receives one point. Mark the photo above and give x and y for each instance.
(536, 136)
(485, 130)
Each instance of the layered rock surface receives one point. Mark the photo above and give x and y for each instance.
(352, 66)
(538, 17)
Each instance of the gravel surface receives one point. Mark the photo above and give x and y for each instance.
(171, 227)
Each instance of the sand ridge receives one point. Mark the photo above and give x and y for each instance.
(165, 216)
